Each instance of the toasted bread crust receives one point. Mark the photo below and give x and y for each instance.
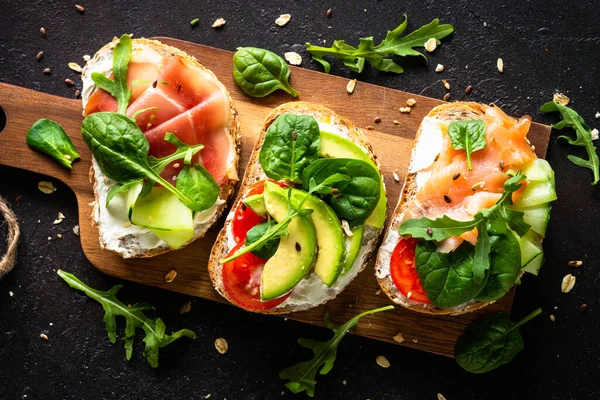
(233, 130)
(254, 173)
(447, 112)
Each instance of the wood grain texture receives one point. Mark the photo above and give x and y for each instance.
(392, 144)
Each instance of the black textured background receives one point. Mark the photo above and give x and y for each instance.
(547, 46)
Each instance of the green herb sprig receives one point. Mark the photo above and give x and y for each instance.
(154, 328)
(380, 56)
(49, 137)
(571, 119)
(301, 377)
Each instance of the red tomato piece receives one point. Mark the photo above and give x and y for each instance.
(404, 273)
(241, 280)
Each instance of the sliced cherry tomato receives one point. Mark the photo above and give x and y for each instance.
(244, 218)
(404, 273)
(241, 280)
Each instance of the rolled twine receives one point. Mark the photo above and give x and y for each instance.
(9, 260)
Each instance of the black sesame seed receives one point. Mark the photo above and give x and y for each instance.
(298, 247)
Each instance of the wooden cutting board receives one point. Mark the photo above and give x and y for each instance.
(392, 144)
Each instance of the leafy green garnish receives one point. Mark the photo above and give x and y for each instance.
(49, 137)
(194, 22)
(489, 342)
(353, 200)
(497, 219)
(294, 210)
(380, 56)
(260, 72)
(570, 119)
(292, 142)
(118, 87)
(154, 329)
(268, 249)
(301, 377)
(468, 136)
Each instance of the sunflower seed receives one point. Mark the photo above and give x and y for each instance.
(69, 82)
(500, 65)
(75, 67)
(44, 336)
(170, 276)
(447, 97)
(577, 263)
(39, 56)
(79, 8)
(468, 89)
(283, 19)
(221, 345)
(329, 13)
(43, 32)
(351, 86)
(382, 361)
(568, 283)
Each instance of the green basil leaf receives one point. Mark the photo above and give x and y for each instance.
(352, 200)
(571, 119)
(268, 248)
(489, 342)
(380, 56)
(437, 229)
(121, 149)
(260, 72)
(504, 267)
(467, 135)
(198, 185)
(291, 143)
(118, 87)
(447, 277)
(49, 137)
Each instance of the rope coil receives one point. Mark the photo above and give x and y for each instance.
(9, 260)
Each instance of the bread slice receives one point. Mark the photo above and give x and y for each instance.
(254, 172)
(446, 113)
(130, 241)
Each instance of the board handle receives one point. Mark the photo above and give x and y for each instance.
(21, 108)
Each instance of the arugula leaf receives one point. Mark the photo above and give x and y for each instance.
(570, 119)
(118, 87)
(49, 137)
(481, 259)
(489, 342)
(154, 329)
(380, 56)
(437, 229)
(301, 377)
(467, 135)
(291, 143)
(259, 72)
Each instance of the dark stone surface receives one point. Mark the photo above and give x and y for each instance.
(546, 46)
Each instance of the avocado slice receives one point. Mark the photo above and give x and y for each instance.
(331, 241)
(296, 253)
(257, 203)
(165, 215)
(353, 248)
(335, 146)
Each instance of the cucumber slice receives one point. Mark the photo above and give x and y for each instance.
(532, 255)
(536, 193)
(166, 216)
(538, 217)
(534, 265)
(538, 170)
(257, 203)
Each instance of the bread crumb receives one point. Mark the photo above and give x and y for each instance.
(561, 99)
(219, 22)
(76, 230)
(405, 110)
(283, 19)
(221, 345)
(399, 338)
(439, 68)
(293, 58)
(411, 102)
(185, 308)
(430, 45)
(10, 293)
(415, 340)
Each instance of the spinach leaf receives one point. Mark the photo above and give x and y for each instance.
(118, 87)
(49, 137)
(468, 136)
(260, 72)
(489, 342)
(352, 200)
(571, 119)
(291, 143)
(301, 377)
(380, 56)
(198, 185)
(154, 329)
(121, 150)
(447, 277)
(267, 249)
(504, 267)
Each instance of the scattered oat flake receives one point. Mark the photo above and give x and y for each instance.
(350, 86)
(378, 292)
(396, 176)
(57, 221)
(577, 263)
(346, 228)
(293, 58)
(219, 22)
(595, 134)
(405, 110)
(207, 396)
(76, 230)
(440, 396)
(221, 345)
(396, 122)
(430, 45)
(44, 336)
(411, 102)
(439, 68)
(75, 67)
(46, 187)
(500, 65)
(552, 317)
(415, 340)
(561, 99)
(567, 283)
(10, 293)
(283, 19)
(185, 308)
(86, 57)
(399, 338)
(382, 361)
(170, 276)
